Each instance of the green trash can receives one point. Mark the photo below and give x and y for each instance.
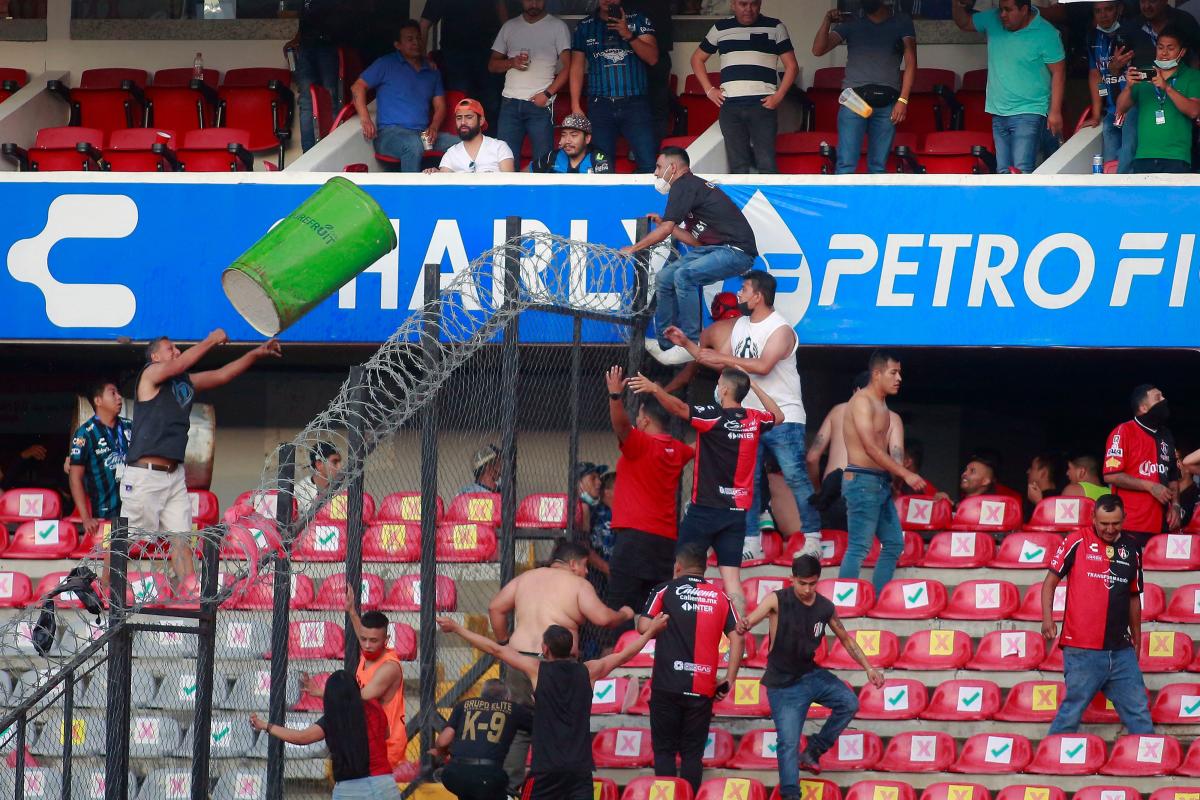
(332, 236)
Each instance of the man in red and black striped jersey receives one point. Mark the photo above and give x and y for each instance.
(1140, 466)
(727, 437)
(686, 658)
(1102, 625)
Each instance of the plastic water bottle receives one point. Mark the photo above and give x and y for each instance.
(198, 67)
(1097, 164)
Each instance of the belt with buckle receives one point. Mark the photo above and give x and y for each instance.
(153, 467)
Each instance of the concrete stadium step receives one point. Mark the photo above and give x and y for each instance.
(306, 778)
(1023, 578)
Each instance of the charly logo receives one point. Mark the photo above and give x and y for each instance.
(78, 305)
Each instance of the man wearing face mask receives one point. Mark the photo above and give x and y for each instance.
(1168, 100)
(678, 283)
(1140, 466)
(1110, 51)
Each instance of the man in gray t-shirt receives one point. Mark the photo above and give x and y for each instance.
(876, 42)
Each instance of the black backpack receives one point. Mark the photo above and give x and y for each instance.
(79, 580)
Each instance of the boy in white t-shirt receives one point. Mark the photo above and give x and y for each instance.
(476, 152)
(532, 51)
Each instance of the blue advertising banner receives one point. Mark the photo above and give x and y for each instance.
(868, 263)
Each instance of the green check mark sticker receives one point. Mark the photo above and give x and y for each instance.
(44, 533)
(218, 736)
(973, 699)
(773, 747)
(1035, 555)
(843, 596)
(898, 698)
(916, 596)
(999, 751)
(1192, 709)
(1075, 752)
(329, 537)
(605, 692)
(189, 690)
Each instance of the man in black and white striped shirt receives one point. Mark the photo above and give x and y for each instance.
(751, 46)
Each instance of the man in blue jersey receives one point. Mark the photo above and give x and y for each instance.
(575, 153)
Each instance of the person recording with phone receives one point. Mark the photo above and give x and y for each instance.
(1110, 52)
(1167, 96)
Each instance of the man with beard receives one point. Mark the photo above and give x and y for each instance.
(575, 153)
(476, 152)
(1140, 466)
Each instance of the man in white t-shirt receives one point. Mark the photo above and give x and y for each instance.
(532, 51)
(476, 152)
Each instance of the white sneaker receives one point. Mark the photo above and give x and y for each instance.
(766, 522)
(674, 356)
(752, 550)
(812, 547)
(653, 347)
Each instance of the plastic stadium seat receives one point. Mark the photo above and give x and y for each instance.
(642, 659)
(757, 750)
(403, 639)
(649, 787)
(40, 783)
(478, 507)
(1154, 602)
(758, 658)
(107, 99)
(854, 750)
(1053, 662)
(921, 513)
(701, 113)
(1107, 793)
(772, 547)
(47, 583)
(47, 539)
(640, 705)
(955, 791)
(746, 698)
(901, 698)
(613, 695)
(405, 594)
(1184, 605)
(852, 597)
(545, 511)
(1191, 763)
(321, 541)
(87, 734)
(833, 548)
(1143, 755)
(749, 650)
(757, 589)
(1027, 550)
(718, 749)
(260, 102)
(129, 150)
(1177, 704)
(1193, 524)
(816, 789)
(147, 588)
(1032, 701)
(336, 509)
(1027, 792)
(11, 81)
(936, 649)
(910, 556)
(391, 541)
(987, 512)
(806, 153)
(206, 509)
(404, 507)
(216, 150)
(1175, 792)
(993, 753)
(178, 692)
(910, 598)
(1102, 712)
(470, 543)
(153, 736)
(622, 748)
(963, 701)
(928, 751)
(257, 504)
(881, 648)
(731, 789)
(172, 102)
(15, 590)
(950, 153)
(880, 790)
(332, 594)
(960, 550)
(1062, 514)
(1172, 551)
(1165, 651)
(1031, 606)
(250, 538)
(982, 600)
(311, 639)
(18, 505)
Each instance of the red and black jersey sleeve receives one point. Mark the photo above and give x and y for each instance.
(1064, 558)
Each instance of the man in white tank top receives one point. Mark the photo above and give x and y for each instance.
(763, 344)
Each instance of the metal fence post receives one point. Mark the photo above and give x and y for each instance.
(280, 570)
(573, 444)
(206, 653)
(427, 653)
(510, 368)
(19, 772)
(68, 763)
(354, 508)
(120, 668)
(637, 331)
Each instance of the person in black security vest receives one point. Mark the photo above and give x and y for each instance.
(799, 619)
(562, 707)
(153, 493)
(575, 153)
(477, 740)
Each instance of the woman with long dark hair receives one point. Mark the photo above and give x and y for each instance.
(356, 734)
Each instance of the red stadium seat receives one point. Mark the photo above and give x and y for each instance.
(1024, 792)
(854, 750)
(974, 114)
(1154, 602)
(642, 659)
(993, 753)
(250, 538)
(1175, 792)
(928, 113)
(880, 790)
(1031, 605)
(731, 789)
(928, 751)
(701, 113)
(974, 80)
(478, 507)
(805, 153)
(172, 103)
(1190, 765)
(1165, 651)
(955, 791)
(260, 102)
(147, 588)
(258, 504)
(88, 544)
(11, 81)
(466, 543)
(963, 701)
(1062, 514)
(46, 539)
(18, 505)
(389, 541)
(336, 509)
(829, 78)
(950, 153)
(758, 750)
(1100, 710)
(130, 150)
(691, 84)
(772, 547)
(622, 748)
(748, 649)
(1032, 701)
(851, 597)
(746, 698)
(403, 639)
(982, 600)
(45, 585)
(936, 649)
(1193, 524)
(1184, 605)
(313, 639)
(757, 589)
(321, 541)
(106, 99)
(15, 590)
(259, 594)
(987, 512)
(920, 513)
(1172, 552)
(546, 511)
(900, 698)
(1176, 703)
(718, 749)
(1053, 662)
(910, 556)
(1107, 793)
(881, 648)
(910, 598)
(648, 787)
(206, 509)
(322, 110)
(817, 789)
(216, 150)
(404, 507)
(405, 594)
(1068, 754)
(641, 705)
(1143, 755)
(1027, 550)
(613, 695)
(332, 594)
(960, 550)
(1009, 651)
(833, 548)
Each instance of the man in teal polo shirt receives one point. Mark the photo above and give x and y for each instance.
(1166, 98)
(1026, 77)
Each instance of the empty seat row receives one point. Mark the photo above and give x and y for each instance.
(382, 541)
(937, 152)
(74, 149)
(20, 505)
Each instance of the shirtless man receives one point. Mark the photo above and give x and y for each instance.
(867, 479)
(555, 595)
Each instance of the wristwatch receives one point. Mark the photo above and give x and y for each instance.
(548, 95)
(614, 395)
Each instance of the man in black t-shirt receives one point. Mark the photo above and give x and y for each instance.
(477, 740)
(679, 282)
(468, 29)
(799, 619)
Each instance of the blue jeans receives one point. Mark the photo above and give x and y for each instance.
(786, 442)
(521, 117)
(400, 142)
(315, 63)
(377, 787)
(1114, 672)
(870, 513)
(625, 116)
(789, 708)
(851, 128)
(1017, 140)
(678, 285)
(1120, 143)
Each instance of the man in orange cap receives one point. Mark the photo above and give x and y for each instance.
(476, 152)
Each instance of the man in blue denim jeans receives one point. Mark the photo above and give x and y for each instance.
(867, 479)
(1102, 623)
(1027, 74)
(793, 681)
(324, 26)
(730, 249)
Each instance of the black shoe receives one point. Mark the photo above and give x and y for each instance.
(809, 764)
